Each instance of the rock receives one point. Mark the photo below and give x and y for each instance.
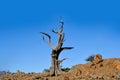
(93, 76)
(46, 74)
(118, 67)
(118, 76)
(100, 78)
(97, 58)
(107, 69)
(66, 78)
(116, 64)
(101, 65)
(36, 77)
(78, 72)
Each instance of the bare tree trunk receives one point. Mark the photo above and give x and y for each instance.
(53, 68)
(56, 50)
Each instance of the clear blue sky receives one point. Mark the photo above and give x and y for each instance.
(91, 27)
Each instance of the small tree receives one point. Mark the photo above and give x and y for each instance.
(46, 70)
(65, 69)
(90, 58)
(56, 50)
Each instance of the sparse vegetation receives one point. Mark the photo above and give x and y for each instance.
(90, 58)
(65, 69)
(46, 70)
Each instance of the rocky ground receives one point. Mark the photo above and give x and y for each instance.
(107, 69)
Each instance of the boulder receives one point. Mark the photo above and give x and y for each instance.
(97, 58)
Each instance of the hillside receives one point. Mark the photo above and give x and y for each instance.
(107, 69)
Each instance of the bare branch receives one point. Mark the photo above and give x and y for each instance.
(54, 31)
(60, 61)
(67, 48)
(46, 35)
(60, 36)
(65, 59)
(49, 39)
(61, 27)
(58, 66)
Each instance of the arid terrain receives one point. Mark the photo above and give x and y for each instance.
(99, 69)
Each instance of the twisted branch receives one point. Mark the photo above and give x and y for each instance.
(49, 39)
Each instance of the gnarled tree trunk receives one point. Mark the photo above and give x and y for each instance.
(56, 50)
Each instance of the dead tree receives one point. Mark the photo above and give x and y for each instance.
(56, 50)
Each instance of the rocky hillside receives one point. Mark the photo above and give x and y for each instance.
(107, 69)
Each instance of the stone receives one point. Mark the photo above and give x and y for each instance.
(66, 78)
(97, 58)
(78, 72)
